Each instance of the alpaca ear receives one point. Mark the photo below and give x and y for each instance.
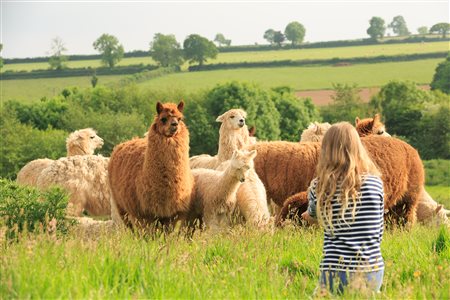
(220, 118)
(357, 121)
(376, 118)
(252, 154)
(181, 106)
(159, 107)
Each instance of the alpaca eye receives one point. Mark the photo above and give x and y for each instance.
(232, 117)
(92, 137)
(380, 132)
(164, 120)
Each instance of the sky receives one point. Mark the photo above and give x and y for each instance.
(28, 27)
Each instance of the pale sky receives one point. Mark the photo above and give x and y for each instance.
(28, 27)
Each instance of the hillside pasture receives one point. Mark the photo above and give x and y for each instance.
(264, 56)
(302, 78)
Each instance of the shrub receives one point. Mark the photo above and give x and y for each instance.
(27, 209)
(437, 172)
(441, 78)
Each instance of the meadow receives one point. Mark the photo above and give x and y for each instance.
(273, 55)
(240, 264)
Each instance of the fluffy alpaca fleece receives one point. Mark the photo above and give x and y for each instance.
(314, 132)
(85, 178)
(150, 178)
(370, 126)
(79, 142)
(234, 135)
(429, 211)
(215, 191)
(287, 169)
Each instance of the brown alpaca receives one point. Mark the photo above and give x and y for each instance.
(370, 126)
(150, 178)
(287, 169)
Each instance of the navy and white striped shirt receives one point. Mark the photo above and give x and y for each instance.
(355, 245)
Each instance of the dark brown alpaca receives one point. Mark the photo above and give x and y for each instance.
(286, 169)
(150, 178)
(369, 126)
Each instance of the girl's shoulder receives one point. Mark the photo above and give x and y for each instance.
(372, 180)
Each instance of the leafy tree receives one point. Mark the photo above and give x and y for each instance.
(346, 106)
(295, 32)
(441, 78)
(398, 26)
(1, 59)
(108, 45)
(199, 49)
(166, 50)
(295, 114)
(94, 80)
(434, 137)
(278, 38)
(57, 59)
(221, 40)
(441, 28)
(269, 36)
(377, 28)
(423, 30)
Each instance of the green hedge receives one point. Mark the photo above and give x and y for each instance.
(312, 62)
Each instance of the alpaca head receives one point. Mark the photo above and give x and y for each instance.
(169, 119)
(83, 142)
(233, 119)
(242, 162)
(314, 132)
(370, 126)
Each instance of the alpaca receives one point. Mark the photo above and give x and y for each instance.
(287, 168)
(215, 191)
(314, 132)
(150, 178)
(370, 126)
(234, 135)
(79, 142)
(85, 178)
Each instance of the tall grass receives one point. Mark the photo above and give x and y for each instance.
(241, 264)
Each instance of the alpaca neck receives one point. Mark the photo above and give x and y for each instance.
(230, 141)
(77, 150)
(228, 182)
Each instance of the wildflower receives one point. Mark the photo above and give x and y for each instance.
(417, 273)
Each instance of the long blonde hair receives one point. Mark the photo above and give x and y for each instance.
(343, 159)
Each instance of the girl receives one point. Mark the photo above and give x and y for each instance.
(347, 198)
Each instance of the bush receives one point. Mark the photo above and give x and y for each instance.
(27, 209)
(441, 78)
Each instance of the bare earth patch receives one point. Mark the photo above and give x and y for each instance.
(323, 97)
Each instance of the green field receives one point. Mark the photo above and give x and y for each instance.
(274, 55)
(30, 90)
(239, 264)
(441, 194)
(303, 78)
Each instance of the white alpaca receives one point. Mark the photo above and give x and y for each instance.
(314, 132)
(79, 142)
(233, 136)
(85, 177)
(430, 212)
(215, 191)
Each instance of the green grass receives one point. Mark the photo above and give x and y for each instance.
(273, 55)
(242, 264)
(440, 193)
(303, 78)
(31, 90)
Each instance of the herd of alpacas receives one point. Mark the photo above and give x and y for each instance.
(152, 181)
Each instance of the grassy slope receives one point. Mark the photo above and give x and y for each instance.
(30, 90)
(274, 55)
(441, 194)
(240, 265)
(304, 78)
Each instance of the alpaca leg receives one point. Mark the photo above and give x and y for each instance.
(115, 216)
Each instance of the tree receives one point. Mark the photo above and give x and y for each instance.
(110, 49)
(295, 32)
(278, 38)
(398, 26)
(166, 50)
(441, 28)
(269, 35)
(199, 49)
(57, 59)
(94, 80)
(441, 78)
(221, 40)
(423, 30)
(377, 28)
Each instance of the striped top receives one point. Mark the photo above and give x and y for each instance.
(354, 246)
